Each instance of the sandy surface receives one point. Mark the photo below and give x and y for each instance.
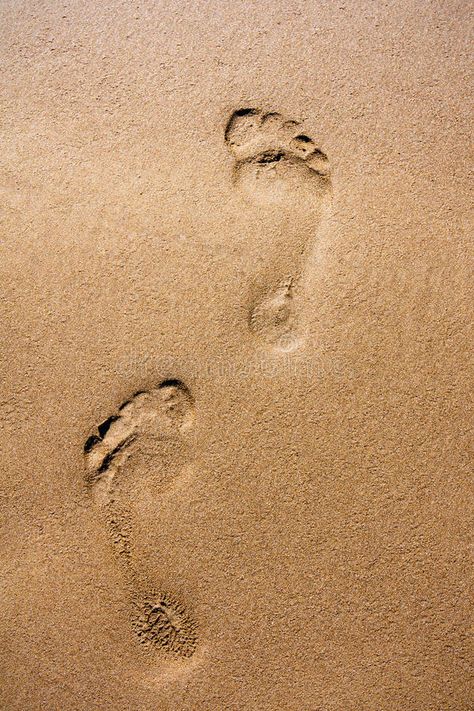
(235, 336)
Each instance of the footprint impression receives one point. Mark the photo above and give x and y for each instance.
(134, 455)
(283, 172)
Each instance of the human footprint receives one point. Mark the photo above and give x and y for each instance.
(282, 171)
(143, 442)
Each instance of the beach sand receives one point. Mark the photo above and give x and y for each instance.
(236, 356)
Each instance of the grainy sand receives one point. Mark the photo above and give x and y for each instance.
(236, 331)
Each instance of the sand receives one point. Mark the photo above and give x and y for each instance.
(236, 356)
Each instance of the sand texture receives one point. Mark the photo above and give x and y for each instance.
(236, 279)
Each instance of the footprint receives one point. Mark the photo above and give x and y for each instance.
(168, 409)
(280, 169)
(162, 622)
(139, 446)
(275, 163)
(273, 318)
